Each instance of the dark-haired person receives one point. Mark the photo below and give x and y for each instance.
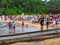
(47, 23)
(9, 24)
(23, 25)
(41, 22)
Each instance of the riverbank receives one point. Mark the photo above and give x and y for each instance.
(54, 41)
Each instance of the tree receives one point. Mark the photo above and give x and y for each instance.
(53, 6)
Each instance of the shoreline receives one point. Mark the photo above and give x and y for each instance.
(37, 25)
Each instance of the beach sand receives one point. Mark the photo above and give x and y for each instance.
(54, 41)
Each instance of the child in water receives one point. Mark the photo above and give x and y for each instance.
(26, 26)
(9, 24)
(13, 25)
(22, 24)
(47, 23)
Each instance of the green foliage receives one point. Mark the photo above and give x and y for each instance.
(16, 7)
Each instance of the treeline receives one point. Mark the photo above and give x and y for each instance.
(17, 7)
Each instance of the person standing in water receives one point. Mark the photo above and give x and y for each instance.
(26, 25)
(41, 22)
(9, 24)
(22, 24)
(47, 23)
(13, 25)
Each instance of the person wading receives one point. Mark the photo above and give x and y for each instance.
(9, 24)
(26, 25)
(41, 22)
(56, 22)
(13, 25)
(47, 23)
(23, 25)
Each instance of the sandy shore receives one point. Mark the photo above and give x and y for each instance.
(55, 41)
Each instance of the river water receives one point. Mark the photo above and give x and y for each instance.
(4, 30)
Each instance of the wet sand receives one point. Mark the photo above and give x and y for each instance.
(55, 41)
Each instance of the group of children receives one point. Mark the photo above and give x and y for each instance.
(11, 25)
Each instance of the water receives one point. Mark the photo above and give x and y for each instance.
(4, 30)
(3, 24)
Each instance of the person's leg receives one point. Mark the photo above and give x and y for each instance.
(47, 26)
(56, 26)
(14, 27)
(23, 27)
(9, 28)
(41, 27)
(26, 26)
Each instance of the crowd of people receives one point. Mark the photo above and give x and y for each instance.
(41, 19)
